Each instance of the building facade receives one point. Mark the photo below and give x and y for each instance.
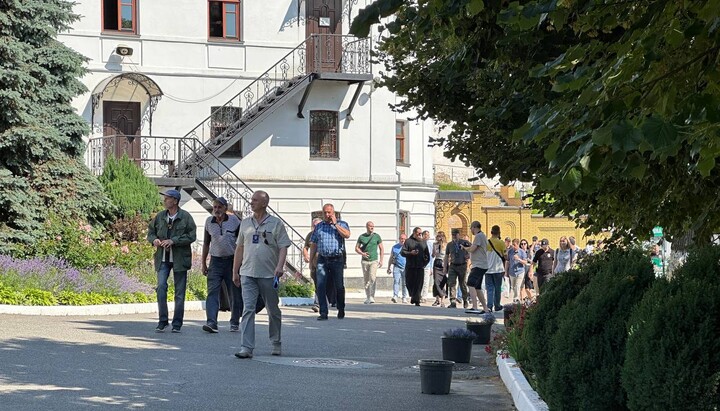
(219, 98)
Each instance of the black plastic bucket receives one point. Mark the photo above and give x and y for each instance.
(435, 376)
(482, 331)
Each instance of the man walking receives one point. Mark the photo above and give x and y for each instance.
(258, 265)
(312, 262)
(417, 256)
(171, 232)
(478, 267)
(397, 263)
(367, 246)
(456, 267)
(328, 242)
(221, 231)
(496, 269)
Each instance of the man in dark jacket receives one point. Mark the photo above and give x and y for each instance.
(171, 232)
(417, 257)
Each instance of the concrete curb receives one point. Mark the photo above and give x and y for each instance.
(120, 309)
(525, 398)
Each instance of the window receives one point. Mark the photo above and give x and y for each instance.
(401, 142)
(403, 220)
(120, 15)
(323, 134)
(220, 119)
(224, 19)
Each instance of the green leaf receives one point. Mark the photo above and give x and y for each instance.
(551, 150)
(706, 163)
(602, 136)
(660, 135)
(571, 181)
(475, 7)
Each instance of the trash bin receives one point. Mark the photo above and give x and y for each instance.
(482, 331)
(435, 376)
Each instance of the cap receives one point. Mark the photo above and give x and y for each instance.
(172, 193)
(534, 238)
(222, 201)
(455, 231)
(544, 242)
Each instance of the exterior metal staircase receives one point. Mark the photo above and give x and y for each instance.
(192, 162)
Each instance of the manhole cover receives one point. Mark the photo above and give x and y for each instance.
(326, 363)
(317, 362)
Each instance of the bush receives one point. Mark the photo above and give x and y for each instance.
(129, 189)
(673, 348)
(293, 288)
(541, 320)
(588, 350)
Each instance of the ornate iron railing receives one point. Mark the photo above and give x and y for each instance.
(222, 181)
(156, 155)
(319, 53)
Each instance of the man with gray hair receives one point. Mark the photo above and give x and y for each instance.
(259, 263)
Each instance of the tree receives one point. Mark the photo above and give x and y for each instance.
(41, 146)
(610, 107)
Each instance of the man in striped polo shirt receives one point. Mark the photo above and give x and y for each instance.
(221, 231)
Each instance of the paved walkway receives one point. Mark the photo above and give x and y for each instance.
(118, 362)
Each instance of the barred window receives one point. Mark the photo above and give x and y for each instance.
(323, 134)
(221, 118)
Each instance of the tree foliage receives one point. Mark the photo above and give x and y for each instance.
(129, 189)
(41, 146)
(611, 108)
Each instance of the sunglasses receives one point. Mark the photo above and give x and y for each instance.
(264, 234)
(523, 243)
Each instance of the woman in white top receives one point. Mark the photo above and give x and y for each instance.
(564, 257)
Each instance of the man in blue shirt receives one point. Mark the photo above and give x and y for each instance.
(328, 246)
(398, 272)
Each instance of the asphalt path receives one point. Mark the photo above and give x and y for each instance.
(119, 362)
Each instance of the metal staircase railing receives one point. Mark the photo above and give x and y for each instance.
(213, 179)
(319, 53)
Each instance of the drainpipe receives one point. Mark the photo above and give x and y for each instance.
(397, 204)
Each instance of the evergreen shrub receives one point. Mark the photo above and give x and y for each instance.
(588, 349)
(129, 189)
(673, 348)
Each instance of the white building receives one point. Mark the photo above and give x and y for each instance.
(218, 97)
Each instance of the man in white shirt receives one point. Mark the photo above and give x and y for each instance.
(478, 268)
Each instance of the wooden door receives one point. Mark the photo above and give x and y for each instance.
(121, 119)
(324, 17)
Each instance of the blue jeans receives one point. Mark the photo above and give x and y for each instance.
(493, 285)
(330, 267)
(180, 278)
(399, 281)
(220, 270)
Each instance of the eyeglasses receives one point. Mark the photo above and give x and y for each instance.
(523, 243)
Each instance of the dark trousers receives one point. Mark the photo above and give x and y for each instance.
(414, 282)
(220, 271)
(330, 268)
(440, 283)
(330, 292)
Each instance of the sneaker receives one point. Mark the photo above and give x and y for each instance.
(341, 314)
(176, 330)
(465, 304)
(394, 299)
(244, 353)
(404, 300)
(452, 305)
(367, 301)
(210, 329)
(322, 318)
(234, 328)
(316, 308)
(498, 308)
(372, 300)
(436, 303)
(161, 327)
(333, 305)
(277, 350)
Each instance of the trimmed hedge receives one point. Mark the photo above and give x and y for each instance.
(673, 348)
(588, 350)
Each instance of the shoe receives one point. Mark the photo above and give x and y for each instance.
(277, 349)
(176, 330)
(394, 299)
(417, 304)
(452, 305)
(341, 314)
(333, 305)
(465, 304)
(372, 300)
(316, 308)
(442, 305)
(436, 303)
(160, 328)
(473, 311)
(367, 301)
(234, 328)
(322, 318)
(404, 301)
(422, 300)
(209, 329)
(244, 354)
(498, 308)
